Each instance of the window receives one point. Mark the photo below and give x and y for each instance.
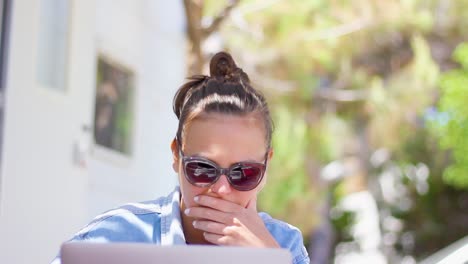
(113, 116)
(5, 6)
(5, 13)
(53, 43)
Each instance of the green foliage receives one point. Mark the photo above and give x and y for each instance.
(343, 221)
(288, 145)
(392, 52)
(454, 134)
(288, 187)
(437, 215)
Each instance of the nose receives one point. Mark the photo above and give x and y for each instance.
(221, 186)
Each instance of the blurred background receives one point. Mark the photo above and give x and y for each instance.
(368, 98)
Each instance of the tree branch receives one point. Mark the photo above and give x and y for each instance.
(219, 19)
(193, 13)
(341, 30)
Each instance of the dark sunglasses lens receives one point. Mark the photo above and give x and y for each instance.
(198, 172)
(246, 177)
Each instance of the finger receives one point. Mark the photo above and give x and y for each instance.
(217, 239)
(217, 203)
(209, 214)
(210, 226)
(252, 204)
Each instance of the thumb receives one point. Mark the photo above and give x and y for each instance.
(252, 204)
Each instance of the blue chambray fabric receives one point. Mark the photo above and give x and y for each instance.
(159, 222)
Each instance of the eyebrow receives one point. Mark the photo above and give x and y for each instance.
(198, 155)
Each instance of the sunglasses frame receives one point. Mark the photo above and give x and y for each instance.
(221, 171)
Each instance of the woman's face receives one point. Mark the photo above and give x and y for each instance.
(225, 140)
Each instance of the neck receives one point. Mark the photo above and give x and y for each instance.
(192, 235)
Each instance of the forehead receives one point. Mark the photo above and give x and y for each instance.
(225, 137)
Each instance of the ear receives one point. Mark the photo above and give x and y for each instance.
(270, 154)
(175, 155)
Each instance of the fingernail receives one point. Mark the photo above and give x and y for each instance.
(194, 223)
(187, 211)
(196, 198)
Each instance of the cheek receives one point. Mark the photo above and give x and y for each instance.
(244, 198)
(188, 191)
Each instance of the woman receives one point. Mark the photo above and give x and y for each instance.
(220, 153)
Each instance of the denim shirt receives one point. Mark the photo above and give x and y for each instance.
(159, 222)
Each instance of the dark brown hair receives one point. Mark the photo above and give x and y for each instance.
(226, 91)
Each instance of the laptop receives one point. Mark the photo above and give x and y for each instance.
(134, 253)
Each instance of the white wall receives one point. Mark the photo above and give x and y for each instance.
(138, 35)
(44, 197)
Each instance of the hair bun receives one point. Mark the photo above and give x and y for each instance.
(222, 66)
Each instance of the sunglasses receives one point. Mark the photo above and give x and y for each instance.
(243, 176)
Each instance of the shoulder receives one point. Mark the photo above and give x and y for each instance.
(130, 222)
(138, 209)
(288, 236)
(277, 224)
(281, 230)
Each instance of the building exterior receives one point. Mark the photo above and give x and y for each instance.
(87, 115)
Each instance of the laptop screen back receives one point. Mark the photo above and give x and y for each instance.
(126, 253)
